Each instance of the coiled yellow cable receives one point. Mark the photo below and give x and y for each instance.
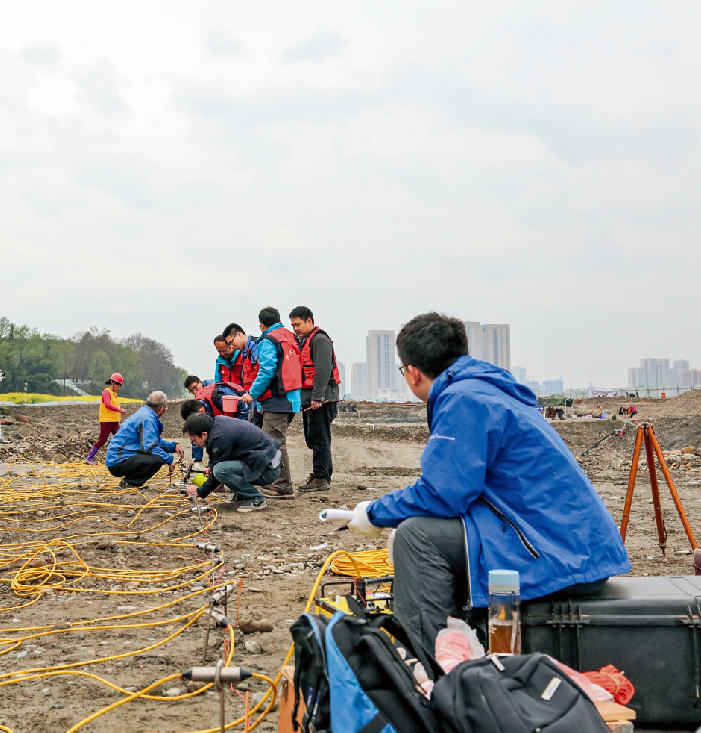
(366, 564)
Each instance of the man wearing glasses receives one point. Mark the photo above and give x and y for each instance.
(499, 490)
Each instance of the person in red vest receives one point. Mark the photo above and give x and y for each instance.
(277, 389)
(320, 380)
(245, 366)
(224, 367)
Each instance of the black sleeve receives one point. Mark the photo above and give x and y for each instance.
(323, 358)
(214, 451)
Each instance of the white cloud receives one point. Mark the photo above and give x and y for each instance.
(531, 164)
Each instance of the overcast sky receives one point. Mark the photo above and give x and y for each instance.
(168, 167)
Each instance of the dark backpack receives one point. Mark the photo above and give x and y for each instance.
(514, 694)
(311, 679)
(372, 688)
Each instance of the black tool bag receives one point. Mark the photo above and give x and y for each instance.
(514, 694)
(371, 655)
(311, 680)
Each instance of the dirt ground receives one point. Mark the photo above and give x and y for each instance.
(138, 547)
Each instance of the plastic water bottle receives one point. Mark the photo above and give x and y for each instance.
(504, 612)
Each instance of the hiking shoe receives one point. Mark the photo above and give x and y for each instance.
(270, 492)
(251, 506)
(314, 484)
(124, 484)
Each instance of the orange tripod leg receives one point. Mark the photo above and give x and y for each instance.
(631, 482)
(672, 489)
(661, 531)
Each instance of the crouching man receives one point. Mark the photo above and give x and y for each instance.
(241, 456)
(137, 451)
(499, 490)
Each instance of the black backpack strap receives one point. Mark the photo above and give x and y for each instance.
(408, 639)
(355, 608)
(375, 725)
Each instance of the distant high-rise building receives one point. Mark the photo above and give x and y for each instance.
(519, 374)
(490, 342)
(359, 380)
(653, 373)
(379, 352)
(342, 375)
(677, 372)
(475, 339)
(554, 386)
(691, 377)
(497, 345)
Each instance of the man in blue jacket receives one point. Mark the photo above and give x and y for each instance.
(499, 490)
(277, 388)
(137, 451)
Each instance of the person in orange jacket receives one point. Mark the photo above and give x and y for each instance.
(110, 414)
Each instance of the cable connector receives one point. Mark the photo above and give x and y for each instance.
(208, 547)
(221, 594)
(220, 620)
(226, 674)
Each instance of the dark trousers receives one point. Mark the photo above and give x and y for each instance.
(275, 425)
(430, 578)
(138, 469)
(317, 434)
(255, 416)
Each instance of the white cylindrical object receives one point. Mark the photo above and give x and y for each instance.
(207, 674)
(342, 515)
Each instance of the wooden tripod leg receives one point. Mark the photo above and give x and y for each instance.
(631, 482)
(673, 489)
(661, 531)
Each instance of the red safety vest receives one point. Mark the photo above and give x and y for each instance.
(245, 370)
(205, 395)
(308, 362)
(288, 374)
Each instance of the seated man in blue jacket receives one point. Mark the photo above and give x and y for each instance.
(241, 456)
(499, 490)
(137, 451)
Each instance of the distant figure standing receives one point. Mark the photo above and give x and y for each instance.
(110, 414)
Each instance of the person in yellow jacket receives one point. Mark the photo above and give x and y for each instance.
(110, 414)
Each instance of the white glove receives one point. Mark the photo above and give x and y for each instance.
(360, 524)
(390, 546)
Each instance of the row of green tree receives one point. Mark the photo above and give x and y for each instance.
(89, 358)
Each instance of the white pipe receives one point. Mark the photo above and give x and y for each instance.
(342, 515)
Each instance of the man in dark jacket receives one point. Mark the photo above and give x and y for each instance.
(499, 490)
(241, 456)
(319, 395)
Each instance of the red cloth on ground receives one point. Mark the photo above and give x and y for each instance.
(106, 428)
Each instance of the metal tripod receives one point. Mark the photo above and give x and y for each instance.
(646, 433)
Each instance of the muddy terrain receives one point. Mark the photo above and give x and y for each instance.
(108, 584)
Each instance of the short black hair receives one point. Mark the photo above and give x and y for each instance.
(301, 311)
(192, 379)
(197, 424)
(432, 342)
(269, 317)
(219, 338)
(189, 407)
(232, 328)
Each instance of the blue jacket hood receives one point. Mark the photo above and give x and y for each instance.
(466, 367)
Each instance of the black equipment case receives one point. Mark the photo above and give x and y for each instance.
(649, 628)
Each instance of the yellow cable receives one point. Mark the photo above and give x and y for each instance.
(77, 486)
(366, 564)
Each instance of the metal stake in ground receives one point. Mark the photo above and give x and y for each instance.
(646, 434)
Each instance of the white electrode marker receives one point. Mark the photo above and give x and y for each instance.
(343, 515)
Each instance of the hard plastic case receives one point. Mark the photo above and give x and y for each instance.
(649, 628)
